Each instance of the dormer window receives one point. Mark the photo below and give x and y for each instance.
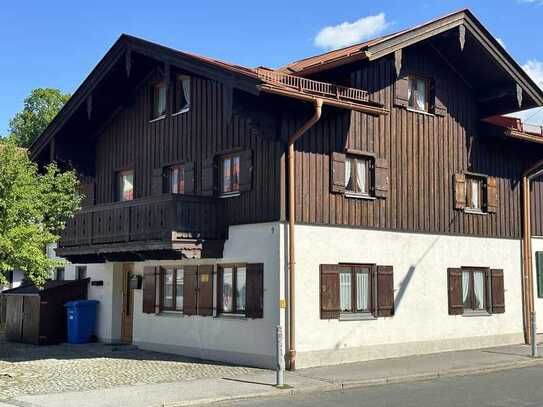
(158, 101)
(182, 94)
(417, 94)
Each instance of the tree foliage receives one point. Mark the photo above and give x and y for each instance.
(40, 107)
(34, 208)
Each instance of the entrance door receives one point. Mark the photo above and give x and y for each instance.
(128, 304)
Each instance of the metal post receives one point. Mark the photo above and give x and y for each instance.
(534, 336)
(280, 373)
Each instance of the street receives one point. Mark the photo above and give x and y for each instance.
(517, 387)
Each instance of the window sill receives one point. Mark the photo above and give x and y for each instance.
(241, 317)
(475, 212)
(473, 313)
(230, 195)
(410, 109)
(157, 119)
(185, 110)
(363, 316)
(359, 196)
(168, 313)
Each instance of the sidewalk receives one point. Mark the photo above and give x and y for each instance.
(205, 391)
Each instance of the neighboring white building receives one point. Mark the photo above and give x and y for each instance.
(15, 279)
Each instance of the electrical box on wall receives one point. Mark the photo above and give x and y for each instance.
(98, 283)
(135, 282)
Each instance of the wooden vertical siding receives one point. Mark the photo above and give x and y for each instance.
(132, 141)
(424, 152)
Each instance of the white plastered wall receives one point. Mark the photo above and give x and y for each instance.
(236, 340)
(537, 246)
(421, 323)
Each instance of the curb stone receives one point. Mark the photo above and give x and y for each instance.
(332, 386)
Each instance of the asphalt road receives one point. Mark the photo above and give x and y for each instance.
(518, 387)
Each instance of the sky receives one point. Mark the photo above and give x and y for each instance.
(56, 43)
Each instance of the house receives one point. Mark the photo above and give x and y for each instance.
(14, 280)
(356, 198)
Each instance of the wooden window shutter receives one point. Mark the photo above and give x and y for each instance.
(329, 295)
(157, 182)
(454, 278)
(381, 177)
(385, 291)
(208, 177)
(437, 98)
(401, 92)
(149, 290)
(190, 285)
(491, 195)
(539, 272)
(205, 290)
(188, 174)
(337, 175)
(245, 171)
(254, 302)
(459, 191)
(498, 292)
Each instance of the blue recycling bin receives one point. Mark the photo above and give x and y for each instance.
(81, 320)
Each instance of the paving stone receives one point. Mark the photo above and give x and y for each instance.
(28, 369)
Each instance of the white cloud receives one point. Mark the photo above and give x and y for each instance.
(534, 68)
(539, 2)
(501, 42)
(344, 34)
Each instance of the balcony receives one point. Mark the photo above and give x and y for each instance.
(163, 227)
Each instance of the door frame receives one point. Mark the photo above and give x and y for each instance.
(127, 305)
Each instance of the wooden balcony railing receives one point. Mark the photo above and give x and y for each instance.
(310, 86)
(167, 218)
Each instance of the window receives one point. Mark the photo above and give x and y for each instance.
(230, 171)
(172, 280)
(176, 177)
(80, 272)
(125, 185)
(182, 94)
(352, 291)
(358, 177)
(158, 102)
(355, 289)
(473, 290)
(59, 273)
(417, 93)
(233, 286)
(474, 193)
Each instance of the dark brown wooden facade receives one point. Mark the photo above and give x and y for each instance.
(424, 151)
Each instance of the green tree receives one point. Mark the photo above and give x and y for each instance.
(34, 208)
(40, 107)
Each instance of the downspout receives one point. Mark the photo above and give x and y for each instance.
(291, 229)
(527, 270)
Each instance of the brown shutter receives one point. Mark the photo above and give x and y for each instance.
(246, 171)
(157, 186)
(188, 174)
(205, 290)
(149, 290)
(190, 284)
(337, 175)
(498, 292)
(454, 277)
(459, 191)
(401, 92)
(381, 177)
(329, 295)
(491, 195)
(385, 291)
(437, 98)
(254, 302)
(208, 177)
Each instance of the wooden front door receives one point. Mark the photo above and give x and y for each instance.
(128, 304)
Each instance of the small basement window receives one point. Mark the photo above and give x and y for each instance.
(358, 175)
(418, 93)
(229, 174)
(176, 179)
(158, 101)
(182, 94)
(125, 185)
